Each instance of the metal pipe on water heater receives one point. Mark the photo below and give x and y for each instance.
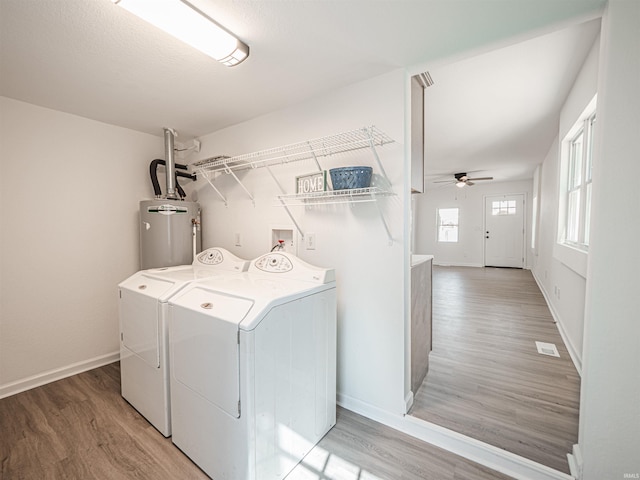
(169, 136)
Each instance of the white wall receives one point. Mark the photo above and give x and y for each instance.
(560, 271)
(469, 250)
(350, 238)
(70, 189)
(610, 393)
(563, 288)
(579, 98)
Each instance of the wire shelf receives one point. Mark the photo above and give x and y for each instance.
(354, 195)
(311, 149)
(362, 138)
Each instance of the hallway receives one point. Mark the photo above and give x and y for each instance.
(486, 379)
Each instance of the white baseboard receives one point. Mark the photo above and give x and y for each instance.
(575, 462)
(57, 374)
(408, 401)
(576, 357)
(484, 454)
(455, 264)
(362, 408)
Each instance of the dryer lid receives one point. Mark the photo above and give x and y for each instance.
(212, 304)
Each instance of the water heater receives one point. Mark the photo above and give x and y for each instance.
(170, 233)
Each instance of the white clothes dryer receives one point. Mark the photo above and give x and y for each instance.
(144, 344)
(253, 372)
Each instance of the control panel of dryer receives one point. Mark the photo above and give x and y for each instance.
(212, 256)
(222, 259)
(290, 266)
(274, 262)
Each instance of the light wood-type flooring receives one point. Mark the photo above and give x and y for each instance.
(81, 428)
(486, 379)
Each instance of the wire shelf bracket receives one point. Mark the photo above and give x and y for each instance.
(282, 190)
(215, 189)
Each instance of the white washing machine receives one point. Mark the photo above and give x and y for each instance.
(253, 367)
(144, 344)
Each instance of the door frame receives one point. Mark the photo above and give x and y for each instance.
(524, 225)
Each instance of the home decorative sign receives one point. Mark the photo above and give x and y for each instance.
(313, 182)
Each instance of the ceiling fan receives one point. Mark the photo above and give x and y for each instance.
(461, 179)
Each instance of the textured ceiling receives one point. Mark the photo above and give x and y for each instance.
(94, 59)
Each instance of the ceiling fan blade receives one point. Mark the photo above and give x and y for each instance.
(469, 182)
(481, 178)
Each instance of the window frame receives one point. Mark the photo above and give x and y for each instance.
(503, 207)
(439, 225)
(575, 187)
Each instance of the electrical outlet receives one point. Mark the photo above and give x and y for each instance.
(310, 241)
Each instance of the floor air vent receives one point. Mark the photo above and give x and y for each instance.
(547, 349)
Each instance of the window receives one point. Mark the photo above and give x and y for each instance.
(574, 188)
(447, 225)
(535, 207)
(588, 178)
(534, 221)
(503, 207)
(577, 165)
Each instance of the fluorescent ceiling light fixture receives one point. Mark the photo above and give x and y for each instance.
(184, 22)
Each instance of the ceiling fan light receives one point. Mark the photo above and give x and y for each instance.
(180, 20)
(460, 184)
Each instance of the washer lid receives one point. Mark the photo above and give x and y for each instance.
(162, 283)
(147, 285)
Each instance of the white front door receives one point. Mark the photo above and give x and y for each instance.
(504, 231)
